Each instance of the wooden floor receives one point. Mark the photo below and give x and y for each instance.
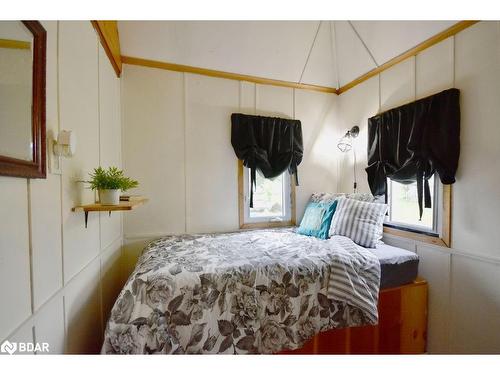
(402, 327)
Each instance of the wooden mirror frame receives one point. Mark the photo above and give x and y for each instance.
(37, 167)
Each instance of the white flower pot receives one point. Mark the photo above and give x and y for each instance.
(109, 197)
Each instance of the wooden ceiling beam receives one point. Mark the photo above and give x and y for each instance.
(456, 28)
(108, 33)
(110, 41)
(221, 74)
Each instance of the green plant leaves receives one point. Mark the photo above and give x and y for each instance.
(111, 178)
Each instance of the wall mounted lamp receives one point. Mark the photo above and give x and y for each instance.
(345, 145)
(65, 145)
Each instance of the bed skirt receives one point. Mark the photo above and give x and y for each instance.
(402, 327)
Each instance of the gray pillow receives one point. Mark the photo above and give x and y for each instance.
(361, 221)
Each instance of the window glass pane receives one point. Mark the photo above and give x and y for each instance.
(268, 197)
(404, 205)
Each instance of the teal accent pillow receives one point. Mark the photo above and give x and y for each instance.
(317, 218)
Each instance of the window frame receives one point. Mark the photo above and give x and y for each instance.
(436, 212)
(267, 222)
(442, 234)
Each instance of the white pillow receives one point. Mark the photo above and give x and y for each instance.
(361, 221)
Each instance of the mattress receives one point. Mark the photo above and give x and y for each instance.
(397, 266)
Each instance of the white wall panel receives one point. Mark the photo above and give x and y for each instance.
(83, 311)
(111, 276)
(45, 195)
(46, 237)
(476, 197)
(274, 101)
(79, 112)
(49, 325)
(23, 334)
(434, 266)
(109, 139)
(15, 292)
(211, 169)
(72, 81)
(463, 313)
(475, 306)
(435, 69)
(317, 172)
(247, 97)
(355, 107)
(132, 249)
(397, 85)
(153, 148)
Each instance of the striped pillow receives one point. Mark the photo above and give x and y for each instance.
(360, 221)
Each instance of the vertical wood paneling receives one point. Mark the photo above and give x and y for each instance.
(83, 311)
(211, 176)
(49, 325)
(434, 266)
(15, 290)
(475, 306)
(476, 202)
(46, 237)
(78, 47)
(317, 171)
(72, 87)
(274, 101)
(435, 69)
(153, 148)
(459, 286)
(397, 85)
(355, 107)
(45, 194)
(109, 141)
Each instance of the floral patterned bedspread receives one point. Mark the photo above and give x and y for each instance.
(245, 292)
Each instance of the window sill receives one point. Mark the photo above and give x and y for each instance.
(267, 224)
(420, 237)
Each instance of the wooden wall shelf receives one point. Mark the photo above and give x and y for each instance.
(122, 206)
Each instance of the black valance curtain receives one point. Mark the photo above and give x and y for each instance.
(268, 144)
(411, 142)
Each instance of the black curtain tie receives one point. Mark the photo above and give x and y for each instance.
(270, 145)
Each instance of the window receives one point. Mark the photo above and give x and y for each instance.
(272, 201)
(402, 218)
(403, 207)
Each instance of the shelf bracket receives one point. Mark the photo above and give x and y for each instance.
(86, 218)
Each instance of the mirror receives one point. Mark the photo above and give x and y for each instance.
(22, 99)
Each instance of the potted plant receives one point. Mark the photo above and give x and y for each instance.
(109, 182)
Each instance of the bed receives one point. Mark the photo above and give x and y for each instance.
(402, 313)
(261, 291)
(397, 266)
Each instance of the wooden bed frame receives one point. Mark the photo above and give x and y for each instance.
(402, 327)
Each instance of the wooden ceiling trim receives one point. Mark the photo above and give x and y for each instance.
(456, 28)
(110, 41)
(221, 74)
(14, 44)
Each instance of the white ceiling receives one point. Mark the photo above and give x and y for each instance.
(326, 53)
